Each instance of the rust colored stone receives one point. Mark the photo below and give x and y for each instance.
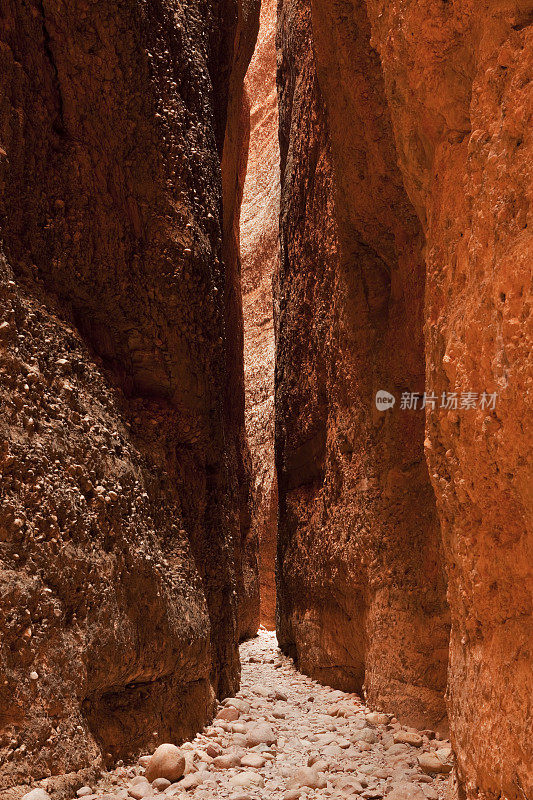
(465, 147)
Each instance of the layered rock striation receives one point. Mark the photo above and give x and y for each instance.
(124, 474)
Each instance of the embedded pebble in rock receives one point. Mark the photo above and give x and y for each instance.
(286, 747)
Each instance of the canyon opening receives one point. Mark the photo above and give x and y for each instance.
(266, 392)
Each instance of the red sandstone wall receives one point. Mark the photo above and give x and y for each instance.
(464, 132)
(360, 583)
(124, 485)
(406, 133)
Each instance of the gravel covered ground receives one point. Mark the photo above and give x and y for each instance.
(284, 736)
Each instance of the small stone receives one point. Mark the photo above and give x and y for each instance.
(227, 761)
(377, 718)
(240, 705)
(431, 764)
(365, 735)
(344, 744)
(85, 791)
(444, 754)
(406, 791)
(228, 714)
(280, 695)
(307, 776)
(253, 760)
(140, 790)
(34, 676)
(395, 749)
(247, 780)
(292, 794)
(167, 762)
(160, 784)
(193, 780)
(407, 737)
(260, 734)
(37, 794)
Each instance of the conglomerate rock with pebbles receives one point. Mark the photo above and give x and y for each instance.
(124, 481)
(286, 736)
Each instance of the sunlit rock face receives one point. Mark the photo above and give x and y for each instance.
(405, 132)
(259, 249)
(124, 480)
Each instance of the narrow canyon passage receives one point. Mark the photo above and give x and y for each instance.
(259, 244)
(285, 736)
(265, 366)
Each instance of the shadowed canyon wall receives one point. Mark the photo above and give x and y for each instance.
(406, 147)
(259, 248)
(124, 469)
(362, 594)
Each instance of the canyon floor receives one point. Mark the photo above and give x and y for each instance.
(285, 736)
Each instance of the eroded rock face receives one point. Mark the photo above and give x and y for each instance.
(361, 587)
(465, 146)
(260, 253)
(406, 131)
(124, 481)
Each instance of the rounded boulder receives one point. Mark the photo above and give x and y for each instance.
(167, 762)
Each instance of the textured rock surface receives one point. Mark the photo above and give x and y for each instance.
(124, 486)
(259, 248)
(465, 145)
(234, 161)
(424, 115)
(362, 595)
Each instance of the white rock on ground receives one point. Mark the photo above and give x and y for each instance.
(286, 737)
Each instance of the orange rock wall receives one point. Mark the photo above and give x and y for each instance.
(464, 128)
(407, 135)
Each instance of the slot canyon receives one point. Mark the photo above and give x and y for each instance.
(266, 399)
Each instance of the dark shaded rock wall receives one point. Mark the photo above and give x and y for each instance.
(362, 592)
(124, 483)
